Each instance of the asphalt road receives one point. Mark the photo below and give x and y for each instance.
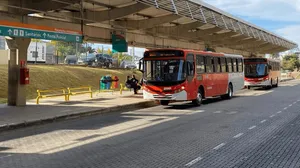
(257, 128)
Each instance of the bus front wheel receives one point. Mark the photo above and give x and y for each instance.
(164, 102)
(198, 100)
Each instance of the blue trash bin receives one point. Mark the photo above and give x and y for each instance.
(109, 80)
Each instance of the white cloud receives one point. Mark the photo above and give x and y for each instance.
(282, 11)
(276, 10)
(290, 32)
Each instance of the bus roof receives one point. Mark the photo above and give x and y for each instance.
(196, 51)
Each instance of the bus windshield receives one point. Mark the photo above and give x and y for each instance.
(164, 70)
(256, 70)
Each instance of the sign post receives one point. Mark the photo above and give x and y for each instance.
(15, 29)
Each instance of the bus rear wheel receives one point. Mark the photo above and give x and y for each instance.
(277, 83)
(198, 100)
(230, 92)
(164, 102)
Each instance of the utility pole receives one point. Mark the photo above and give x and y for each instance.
(133, 53)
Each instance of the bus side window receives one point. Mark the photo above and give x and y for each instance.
(190, 64)
(229, 64)
(213, 64)
(208, 64)
(200, 64)
(223, 65)
(234, 65)
(217, 64)
(240, 65)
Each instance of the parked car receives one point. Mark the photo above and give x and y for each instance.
(71, 59)
(128, 65)
(89, 59)
(103, 60)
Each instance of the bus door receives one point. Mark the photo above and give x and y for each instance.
(192, 89)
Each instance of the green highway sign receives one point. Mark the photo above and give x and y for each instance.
(32, 31)
(119, 43)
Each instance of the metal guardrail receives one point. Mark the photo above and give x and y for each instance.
(51, 93)
(123, 87)
(205, 13)
(63, 92)
(80, 90)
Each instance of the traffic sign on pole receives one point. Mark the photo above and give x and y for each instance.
(15, 29)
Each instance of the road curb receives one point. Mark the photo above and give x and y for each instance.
(121, 108)
(285, 80)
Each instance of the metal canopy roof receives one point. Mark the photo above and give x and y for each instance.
(203, 12)
(191, 21)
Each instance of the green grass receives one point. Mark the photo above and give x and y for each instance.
(53, 76)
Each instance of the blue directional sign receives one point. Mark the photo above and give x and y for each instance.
(32, 31)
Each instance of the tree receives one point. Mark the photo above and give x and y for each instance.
(62, 49)
(121, 57)
(99, 50)
(109, 52)
(275, 56)
(90, 49)
(291, 62)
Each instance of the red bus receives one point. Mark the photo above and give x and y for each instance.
(262, 72)
(186, 75)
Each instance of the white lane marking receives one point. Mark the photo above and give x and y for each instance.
(279, 112)
(271, 116)
(219, 146)
(238, 135)
(232, 112)
(218, 112)
(295, 102)
(250, 128)
(285, 108)
(263, 121)
(201, 111)
(193, 161)
(298, 100)
(290, 105)
(5, 156)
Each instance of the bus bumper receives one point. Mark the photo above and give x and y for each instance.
(261, 83)
(181, 96)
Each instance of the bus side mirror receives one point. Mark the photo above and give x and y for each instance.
(140, 65)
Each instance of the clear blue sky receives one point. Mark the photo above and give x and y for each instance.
(279, 16)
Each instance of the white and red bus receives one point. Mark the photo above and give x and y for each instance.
(262, 72)
(186, 75)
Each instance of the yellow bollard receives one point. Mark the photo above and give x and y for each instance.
(121, 88)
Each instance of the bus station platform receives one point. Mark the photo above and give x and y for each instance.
(54, 109)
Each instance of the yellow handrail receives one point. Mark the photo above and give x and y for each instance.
(71, 91)
(41, 95)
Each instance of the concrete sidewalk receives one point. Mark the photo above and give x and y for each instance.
(53, 109)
